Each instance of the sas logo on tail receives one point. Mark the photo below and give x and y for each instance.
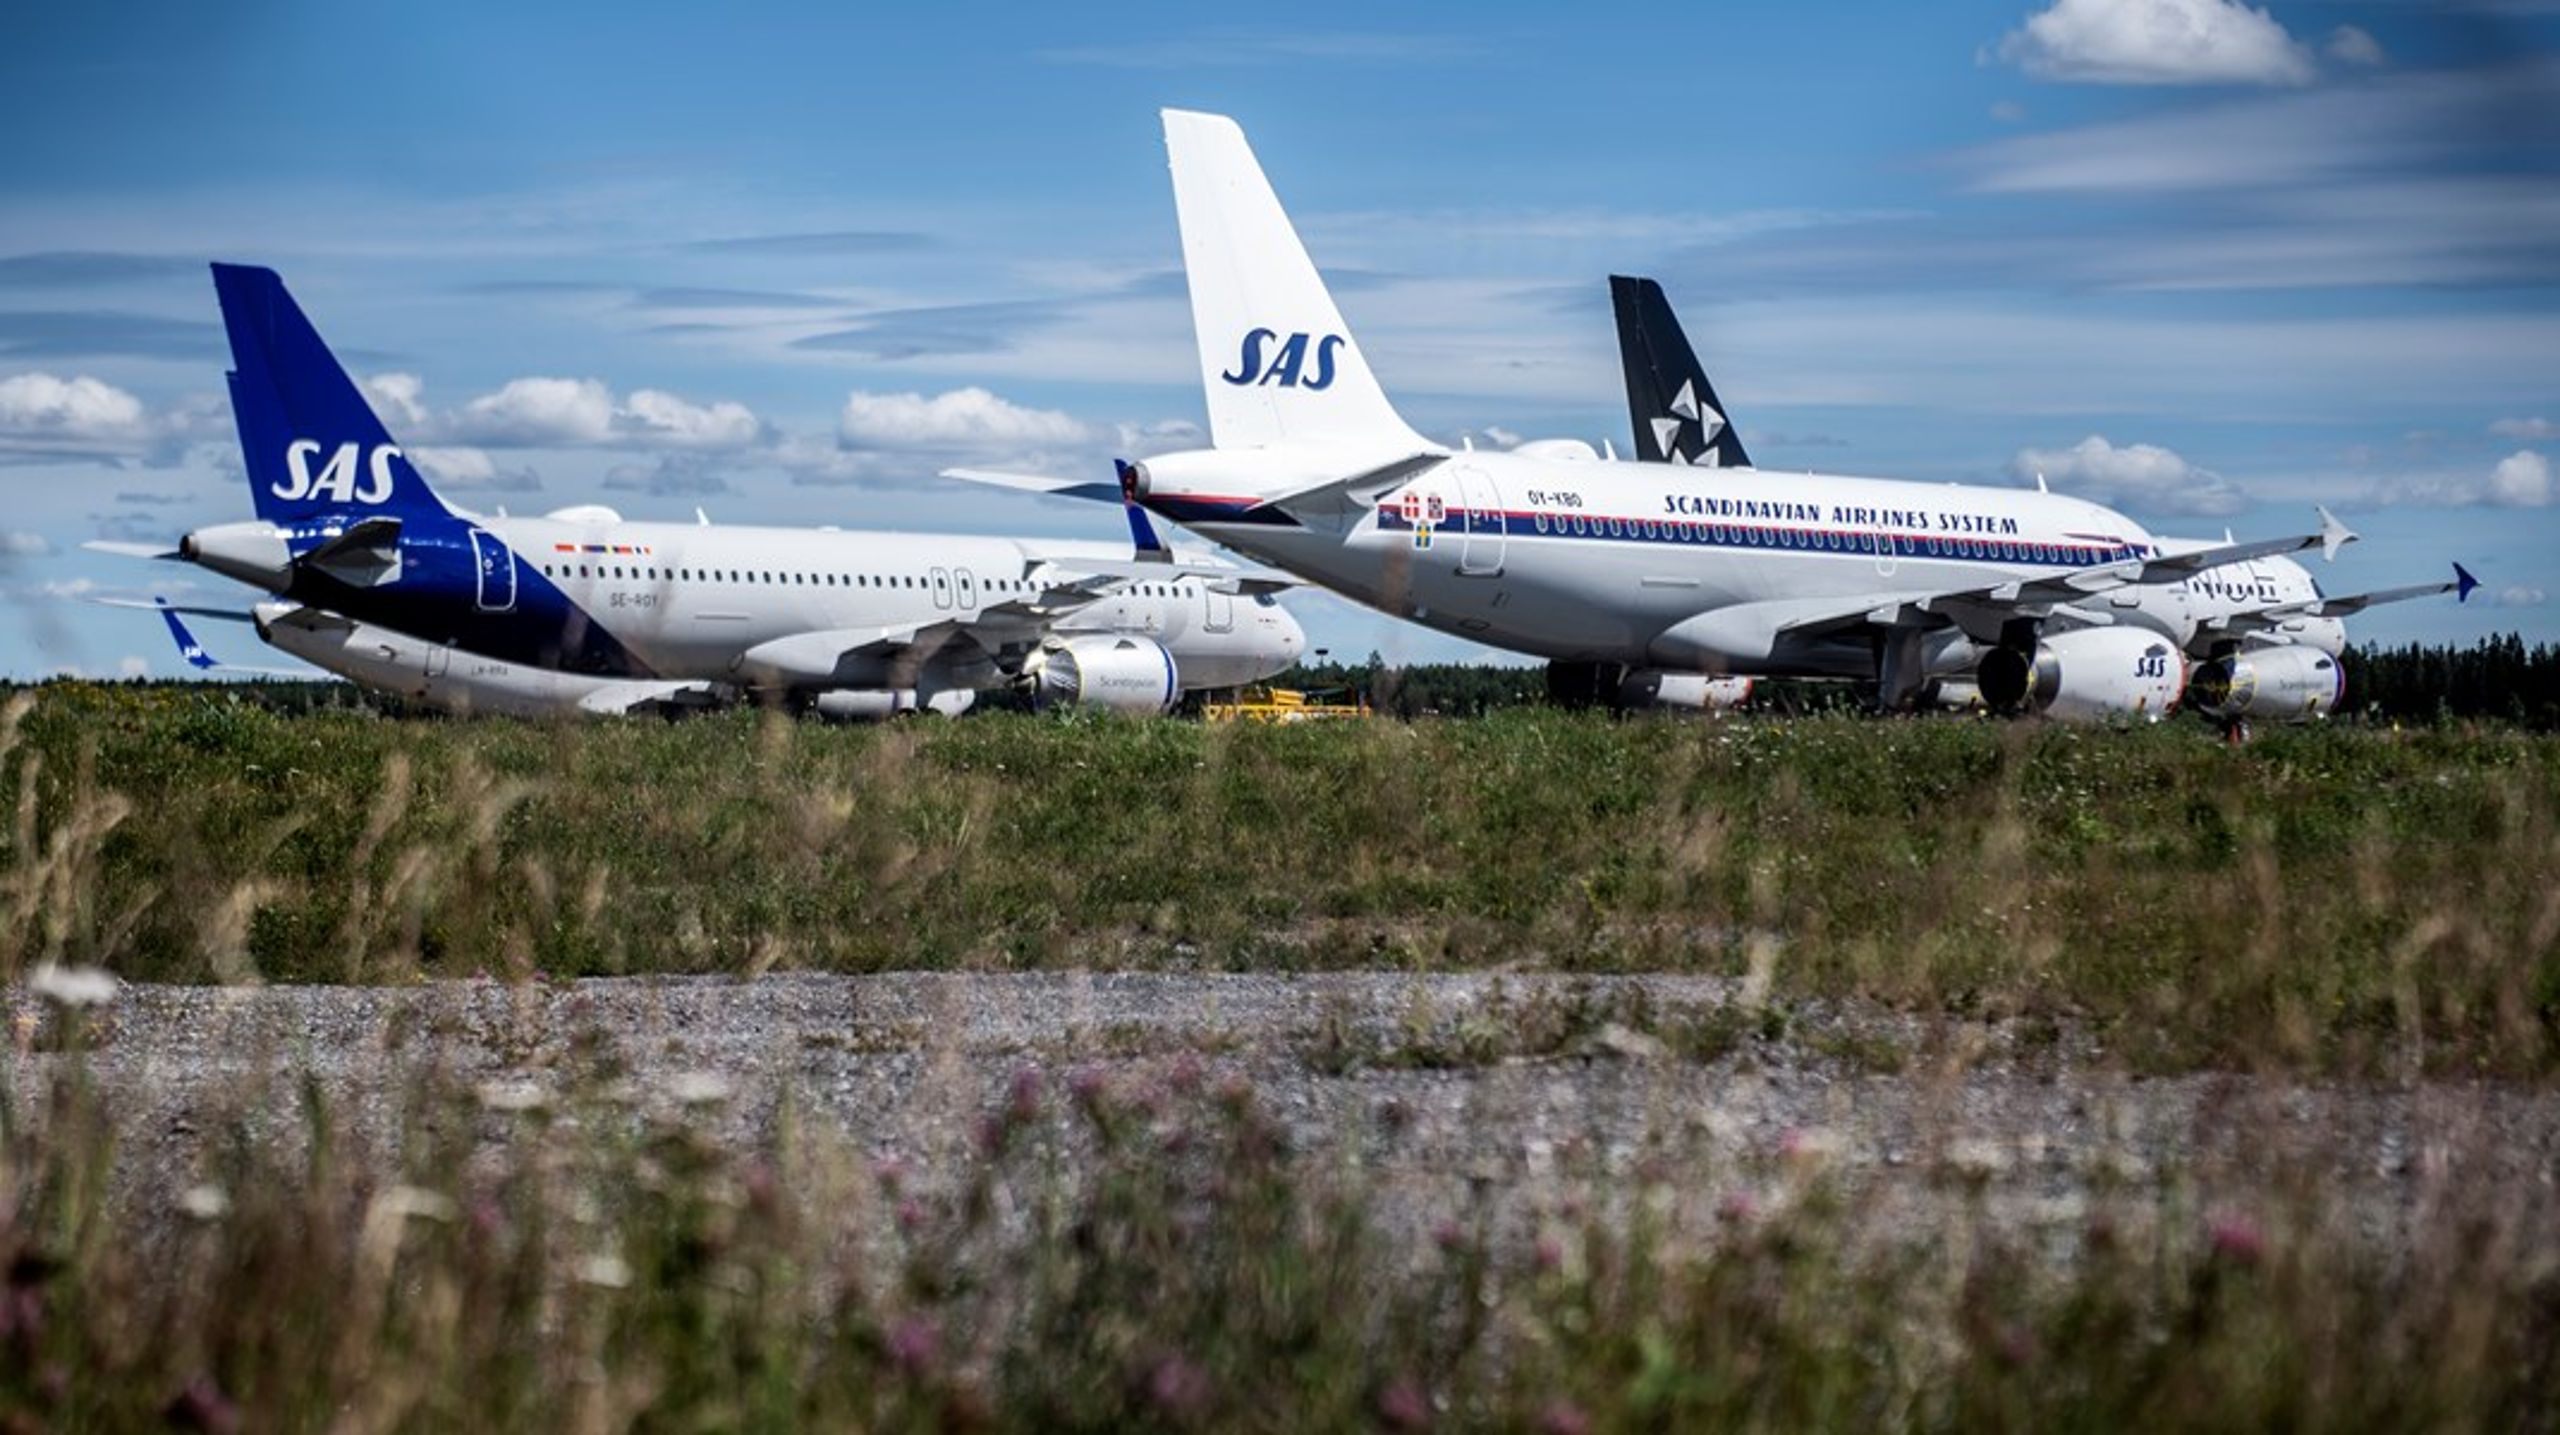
(1287, 363)
(343, 479)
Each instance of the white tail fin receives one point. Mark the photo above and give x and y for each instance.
(1278, 363)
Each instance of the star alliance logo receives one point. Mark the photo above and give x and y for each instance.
(1686, 410)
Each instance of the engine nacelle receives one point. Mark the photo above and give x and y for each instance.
(2087, 675)
(1121, 673)
(2281, 684)
(1654, 688)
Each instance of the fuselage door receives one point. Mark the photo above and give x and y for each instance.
(967, 582)
(1481, 557)
(1222, 611)
(1883, 544)
(942, 587)
(496, 566)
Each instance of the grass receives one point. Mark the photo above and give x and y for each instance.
(1141, 1247)
(2327, 899)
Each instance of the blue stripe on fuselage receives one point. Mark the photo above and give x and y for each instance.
(437, 598)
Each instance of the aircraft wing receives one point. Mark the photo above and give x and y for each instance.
(2275, 615)
(2038, 596)
(629, 697)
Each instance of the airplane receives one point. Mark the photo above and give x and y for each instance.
(1613, 570)
(377, 578)
(193, 654)
(2266, 641)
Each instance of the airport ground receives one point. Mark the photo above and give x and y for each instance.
(1538, 1071)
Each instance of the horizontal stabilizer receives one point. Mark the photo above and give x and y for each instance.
(133, 550)
(1093, 489)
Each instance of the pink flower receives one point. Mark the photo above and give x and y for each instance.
(1022, 1102)
(2237, 1238)
(1404, 1407)
(1550, 1253)
(915, 1345)
(1448, 1235)
(1738, 1207)
(1563, 1417)
(1178, 1387)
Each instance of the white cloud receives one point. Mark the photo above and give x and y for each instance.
(2518, 595)
(969, 419)
(41, 408)
(539, 413)
(2157, 42)
(2140, 476)
(663, 418)
(463, 467)
(2349, 45)
(2009, 112)
(2521, 480)
(19, 543)
(2535, 428)
(132, 665)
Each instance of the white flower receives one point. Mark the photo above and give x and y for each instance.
(606, 1271)
(73, 987)
(206, 1202)
(512, 1096)
(699, 1088)
(419, 1202)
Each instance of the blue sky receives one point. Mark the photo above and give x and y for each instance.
(2208, 262)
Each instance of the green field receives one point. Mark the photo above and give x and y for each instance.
(2326, 899)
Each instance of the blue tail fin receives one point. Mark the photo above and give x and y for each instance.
(188, 648)
(313, 445)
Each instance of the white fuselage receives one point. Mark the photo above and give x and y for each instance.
(1642, 564)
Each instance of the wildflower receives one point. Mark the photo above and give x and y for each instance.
(1022, 1098)
(419, 1202)
(1178, 1387)
(1563, 1417)
(73, 988)
(1088, 1086)
(1404, 1407)
(699, 1088)
(910, 1214)
(1738, 1207)
(2238, 1239)
(606, 1271)
(915, 1344)
(1448, 1235)
(202, 1406)
(511, 1096)
(1550, 1253)
(205, 1202)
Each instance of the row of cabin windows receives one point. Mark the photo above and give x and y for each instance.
(817, 580)
(1902, 545)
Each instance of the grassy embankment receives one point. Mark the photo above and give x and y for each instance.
(2325, 899)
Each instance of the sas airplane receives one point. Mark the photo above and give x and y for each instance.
(1620, 573)
(378, 579)
(2264, 640)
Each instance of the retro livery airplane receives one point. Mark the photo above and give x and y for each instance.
(378, 579)
(2266, 641)
(1619, 572)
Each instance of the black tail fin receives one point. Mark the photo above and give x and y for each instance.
(1678, 418)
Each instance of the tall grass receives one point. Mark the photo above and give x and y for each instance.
(2325, 899)
(1141, 1246)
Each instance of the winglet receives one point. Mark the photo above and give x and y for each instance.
(2463, 583)
(2333, 534)
(188, 648)
(1143, 537)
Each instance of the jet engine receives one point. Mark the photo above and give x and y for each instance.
(2281, 683)
(1115, 672)
(877, 704)
(2085, 675)
(1654, 688)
